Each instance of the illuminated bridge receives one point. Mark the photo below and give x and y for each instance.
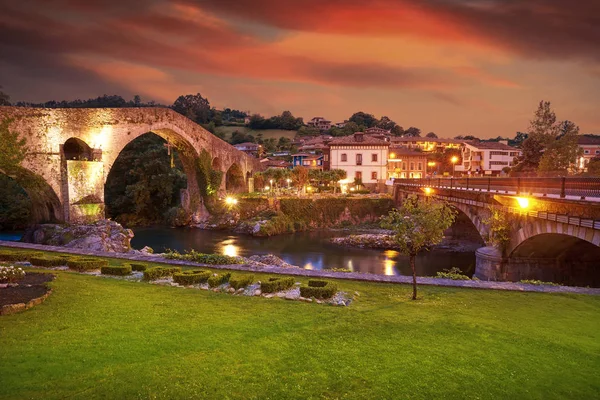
(70, 153)
(554, 223)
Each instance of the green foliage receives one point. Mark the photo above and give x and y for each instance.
(240, 281)
(593, 167)
(15, 205)
(10, 274)
(177, 216)
(218, 279)
(499, 226)
(209, 180)
(154, 273)
(319, 289)
(453, 273)
(192, 255)
(138, 266)
(538, 282)
(4, 98)
(191, 277)
(86, 264)
(49, 261)
(279, 224)
(141, 186)
(194, 107)
(13, 149)
(9, 255)
(276, 284)
(120, 270)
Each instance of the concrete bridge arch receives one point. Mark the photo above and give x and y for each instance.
(106, 132)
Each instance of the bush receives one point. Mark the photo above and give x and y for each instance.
(276, 284)
(49, 261)
(191, 277)
(218, 279)
(453, 273)
(177, 216)
(7, 255)
(86, 264)
(319, 289)
(160, 272)
(11, 274)
(537, 282)
(120, 270)
(138, 266)
(240, 281)
(213, 259)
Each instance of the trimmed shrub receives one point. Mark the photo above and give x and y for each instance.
(160, 272)
(49, 261)
(218, 279)
(276, 284)
(120, 270)
(138, 266)
(86, 264)
(319, 289)
(213, 259)
(191, 277)
(7, 255)
(240, 281)
(453, 273)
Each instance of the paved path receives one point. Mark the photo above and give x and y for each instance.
(520, 287)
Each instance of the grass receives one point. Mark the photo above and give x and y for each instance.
(107, 338)
(267, 133)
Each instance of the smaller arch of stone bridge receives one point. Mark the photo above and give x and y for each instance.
(107, 131)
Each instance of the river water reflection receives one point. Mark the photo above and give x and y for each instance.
(309, 250)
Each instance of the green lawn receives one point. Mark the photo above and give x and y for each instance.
(107, 338)
(267, 133)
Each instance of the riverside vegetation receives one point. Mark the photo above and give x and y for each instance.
(113, 338)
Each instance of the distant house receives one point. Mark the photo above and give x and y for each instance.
(310, 161)
(404, 163)
(341, 124)
(315, 145)
(319, 123)
(487, 158)
(246, 120)
(275, 163)
(426, 144)
(590, 148)
(253, 149)
(361, 156)
(377, 131)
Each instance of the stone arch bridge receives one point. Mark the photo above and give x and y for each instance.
(70, 153)
(552, 239)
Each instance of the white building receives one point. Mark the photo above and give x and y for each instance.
(361, 156)
(590, 148)
(319, 123)
(486, 158)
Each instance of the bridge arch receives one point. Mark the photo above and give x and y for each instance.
(77, 149)
(532, 228)
(235, 180)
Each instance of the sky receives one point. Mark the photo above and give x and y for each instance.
(454, 67)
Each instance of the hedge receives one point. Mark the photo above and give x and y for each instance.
(318, 289)
(276, 284)
(218, 279)
(7, 255)
(138, 266)
(86, 264)
(49, 261)
(191, 277)
(240, 281)
(159, 272)
(120, 270)
(214, 259)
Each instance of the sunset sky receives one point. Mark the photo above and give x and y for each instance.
(450, 66)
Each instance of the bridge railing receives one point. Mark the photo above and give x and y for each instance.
(581, 188)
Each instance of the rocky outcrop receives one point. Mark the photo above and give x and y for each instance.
(104, 235)
(367, 241)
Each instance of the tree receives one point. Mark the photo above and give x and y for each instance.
(562, 152)
(4, 98)
(397, 130)
(257, 121)
(194, 107)
(412, 132)
(13, 149)
(386, 123)
(350, 128)
(593, 167)
(363, 119)
(300, 176)
(336, 175)
(432, 135)
(137, 100)
(418, 225)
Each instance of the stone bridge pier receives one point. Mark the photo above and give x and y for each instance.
(552, 241)
(70, 153)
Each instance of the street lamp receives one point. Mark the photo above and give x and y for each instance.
(454, 160)
(523, 202)
(288, 180)
(271, 182)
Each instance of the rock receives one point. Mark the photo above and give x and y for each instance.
(280, 294)
(268, 296)
(369, 241)
(270, 259)
(290, 297)
(231, 290)
(301, 298)
(318, 302)
(257, 292)
(240, 290)
(308, 300)
(356, 294)
(147, 250)
(104, 236)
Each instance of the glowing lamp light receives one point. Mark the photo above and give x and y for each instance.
(454, 160)
(231, 201)
(392, 155)
(428, 191)
(352, 189)
(523, 202)
(267, 188)
(431, 163)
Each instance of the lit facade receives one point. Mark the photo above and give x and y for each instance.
(486, 158)
(406, 164)
(590, 148)
(426, 144)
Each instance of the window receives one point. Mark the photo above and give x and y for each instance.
(344, 157)
(498, 153)
(359, 159)
(374, 175)
(374, 157)
(420, 166)
(326, 157)
(358, 175)
(586, 152)
(404, 166)
(597, 151)
(412, 166)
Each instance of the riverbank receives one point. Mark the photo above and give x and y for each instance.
(386, 241)
(399, 279)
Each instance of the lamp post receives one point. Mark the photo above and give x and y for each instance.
(271, 182)
(454, 160)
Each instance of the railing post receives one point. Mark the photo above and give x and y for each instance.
(489, 184)
(451, 183)
(562, 187)
(467, 183)
(439, 182)
(518, 185)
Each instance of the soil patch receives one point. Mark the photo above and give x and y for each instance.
(21, 294)
(35, 278)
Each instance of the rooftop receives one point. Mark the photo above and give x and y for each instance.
(589, 140)
(355, 140)
(490, 145)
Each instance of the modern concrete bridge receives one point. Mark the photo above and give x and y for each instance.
(70, 152)
(555, 224)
